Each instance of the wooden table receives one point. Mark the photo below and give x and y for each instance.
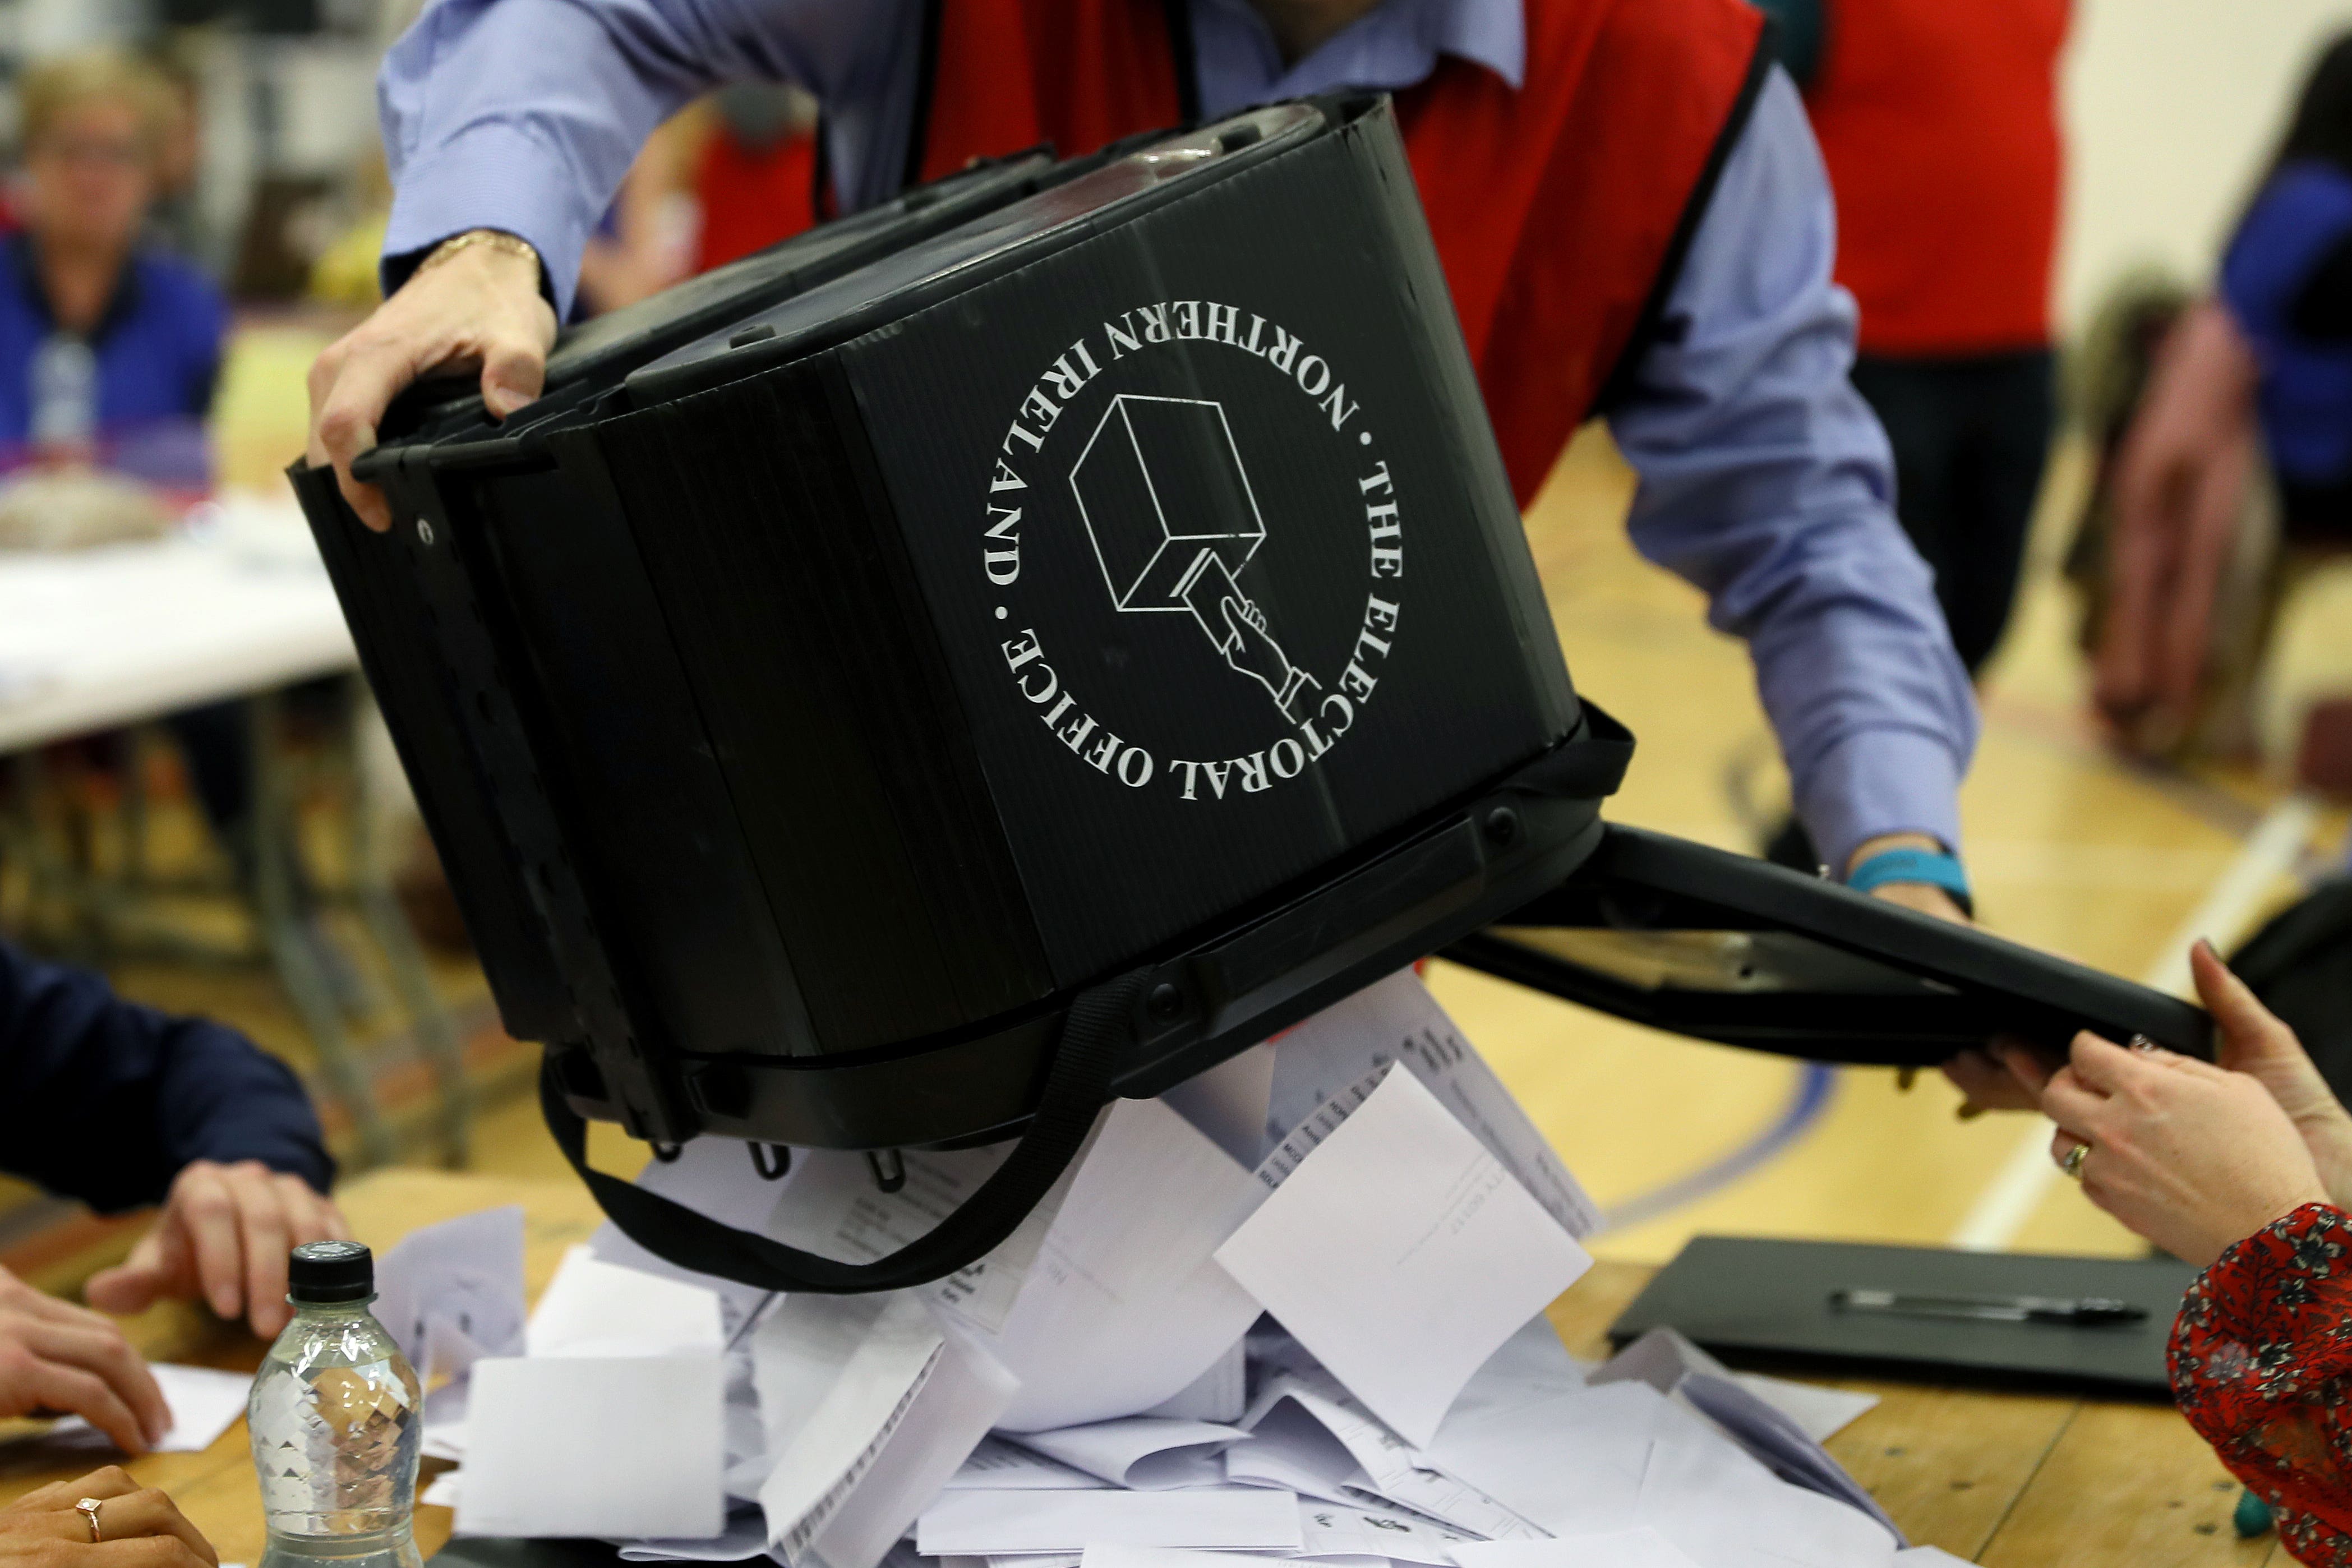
(2012, 1481)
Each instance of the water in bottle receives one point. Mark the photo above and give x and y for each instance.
(335, 1421)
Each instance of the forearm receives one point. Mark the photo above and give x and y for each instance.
(223, 1099)
(105, 1101)
(1767, 483)
(525, 115)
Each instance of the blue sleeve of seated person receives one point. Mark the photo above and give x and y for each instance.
(105, 1101)
(163, 360)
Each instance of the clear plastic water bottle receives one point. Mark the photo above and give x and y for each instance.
(335, 1420)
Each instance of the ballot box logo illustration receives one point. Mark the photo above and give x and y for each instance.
(1136, 485)
(1169, 509)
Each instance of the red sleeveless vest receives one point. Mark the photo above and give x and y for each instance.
(1924, 95)
(1560, 208)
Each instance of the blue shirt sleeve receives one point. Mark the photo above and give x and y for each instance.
(524, 115)
(1767, 482)
(104, 1101)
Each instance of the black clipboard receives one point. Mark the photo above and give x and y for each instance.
(1758, 1301)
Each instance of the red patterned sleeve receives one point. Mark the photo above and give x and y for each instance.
(2261, 1360)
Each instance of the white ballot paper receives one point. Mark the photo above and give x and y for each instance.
(1220, 1394)
(1748, 1410)
(949, 1416)
(1571, 1460)
(593, 1307)
(1107, 1556)
(1403, 1254)
(204, 1402)
(1124, 1306)
(831, 1206)
(824, 1455)
(745, 1537)
(1727, 1511)
(1229, 1102)
(1329, 1064)
(1636, 1548)
(601, 1445)
(1144, 1452)
(798, 1352)
(1386, 1467)
(1154, 1557)
(1819, 1412)
(1291, 1451)
(1328, 1530)
(1237, 1519)
(999, 1466)
(1530, 1365)
(451, 1293)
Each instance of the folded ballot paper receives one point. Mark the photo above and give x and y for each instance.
(1293, 1308)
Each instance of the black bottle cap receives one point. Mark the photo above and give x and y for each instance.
(320, 1273)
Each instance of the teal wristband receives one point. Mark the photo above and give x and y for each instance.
(1932, 866)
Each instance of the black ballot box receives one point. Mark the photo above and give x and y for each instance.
(1018, 659)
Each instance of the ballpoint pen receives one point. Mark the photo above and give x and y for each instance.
(2079, 1311)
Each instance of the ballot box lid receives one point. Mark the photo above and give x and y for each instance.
(596, 352)
(1765, 1302)
(1700, 941)
(1068, 210)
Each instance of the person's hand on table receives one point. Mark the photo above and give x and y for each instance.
(58, 1359)
(477, 308)
(223, 1238)
(138, 1527)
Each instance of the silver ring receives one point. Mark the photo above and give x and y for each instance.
(2073, 1163)
(89, 1508)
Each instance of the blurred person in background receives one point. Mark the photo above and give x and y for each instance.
(757, 177)
(2262, 373)
(109, 348)
(1954, 350)
(647, 238)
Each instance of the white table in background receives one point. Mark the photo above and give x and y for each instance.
(234, 604)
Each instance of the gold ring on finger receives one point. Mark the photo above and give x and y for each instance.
(2073, 1163)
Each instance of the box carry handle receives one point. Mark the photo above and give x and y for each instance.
(1100, 1023)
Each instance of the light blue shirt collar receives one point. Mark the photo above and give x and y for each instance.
(1391, 48)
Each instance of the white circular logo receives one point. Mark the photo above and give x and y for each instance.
(1149, 444)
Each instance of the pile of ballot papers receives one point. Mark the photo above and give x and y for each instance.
(1293, 1308)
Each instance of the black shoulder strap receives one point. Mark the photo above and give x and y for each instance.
(1620, 379)
(1182, 54)
(1100, 1023)
(918, 117)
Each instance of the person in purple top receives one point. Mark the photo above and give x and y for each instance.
(109, 350)
(2286, 277)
